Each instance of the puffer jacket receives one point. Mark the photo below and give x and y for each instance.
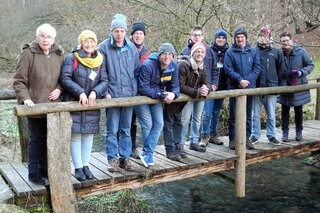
(122, 66)
(299, 60)
(153, 81)
(242, 64)
(75, 82)
(37, 74)
(218, 54)
(272, 66)
(213, 74)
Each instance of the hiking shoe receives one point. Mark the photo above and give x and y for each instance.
(126, 165)
(249, 144)
(298, 135)
(232, 144)
(285, 136)
(180, 150)
(204, 141)
(253, 140)
(197, 147)
(147, 160)
(215, 140)
(87, 172)
(113, 165)
(79, 175)
(173, 156)
(274, 141)
(135, 154)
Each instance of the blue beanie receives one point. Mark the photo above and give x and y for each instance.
(221, 32)
(119, 21)
(166, 47)
(138, 26)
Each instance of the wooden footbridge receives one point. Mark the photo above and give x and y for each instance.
(64, 189)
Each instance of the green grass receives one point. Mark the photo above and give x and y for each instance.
(316, 70)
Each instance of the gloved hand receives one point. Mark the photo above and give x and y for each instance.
(296, 74)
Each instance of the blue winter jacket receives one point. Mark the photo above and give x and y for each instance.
(213, 74)
(299, 60)
(218, 54)
(122, 66)
(76, 81)
(241, 64)
(153, 81)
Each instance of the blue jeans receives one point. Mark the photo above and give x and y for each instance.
(151, 120)
(269, 103)
(232, 117)
(192, 109)
(81, 146)
(118, 119)
(171, 130)
(210, 116)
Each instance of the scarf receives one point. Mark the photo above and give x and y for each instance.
(90, 62)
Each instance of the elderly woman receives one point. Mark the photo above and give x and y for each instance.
(84, 79)
(37, 81)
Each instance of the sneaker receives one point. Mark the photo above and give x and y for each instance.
(87, 172)
(147, 160)
(197, 147)
(79, 175)
(298, 135)
(232, 144)
(274, 141)
(285, 136)
(215, 140)
(126, 165)
(253, 140)
(135, 153)
(204, 141)
(113, 165)
(249, 144)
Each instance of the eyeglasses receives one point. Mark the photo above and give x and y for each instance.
(196, 35)
(45, 37)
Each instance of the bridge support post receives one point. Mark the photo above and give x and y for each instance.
(317, 113)
(240, 131)
(63, 197)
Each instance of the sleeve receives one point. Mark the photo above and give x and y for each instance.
(102, 87)
(184, 88)
(144, 81)
(229, 68)
(175, 81)
(308, 65)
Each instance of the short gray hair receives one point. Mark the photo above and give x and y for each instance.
(46, 28)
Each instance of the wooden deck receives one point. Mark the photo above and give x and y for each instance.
(14, 176)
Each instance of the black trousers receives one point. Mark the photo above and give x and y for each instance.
(285, 117)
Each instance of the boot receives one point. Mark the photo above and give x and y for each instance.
(173, 155)
(204, 141)
(87, 172)
(285, 135)
(79, 175)
(298, 134)
(215, 140)
(180, 149)
(232, 144)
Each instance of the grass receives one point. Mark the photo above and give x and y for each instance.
(316, 70)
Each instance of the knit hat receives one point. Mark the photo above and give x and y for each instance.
(221, 32)
(138, 26)
(265, 31)
(240, 30)
(197, 46)
(119, 21)
(166, 47)
(87, 34)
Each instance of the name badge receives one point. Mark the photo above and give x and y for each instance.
(219, 65)
(92, 75)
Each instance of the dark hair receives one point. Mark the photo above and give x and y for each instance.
(285, 34)
(197, 28)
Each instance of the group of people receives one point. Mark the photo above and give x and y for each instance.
(123, 67)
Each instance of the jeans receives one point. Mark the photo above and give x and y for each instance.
(118, 119)
(37, 147)
(269, 103)
(232, 117)
(151, 120)
(193, 109)
(298, 116)
(81, 146)
(210, 116)
(171, 130)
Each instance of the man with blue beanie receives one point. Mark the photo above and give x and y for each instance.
(122, 65)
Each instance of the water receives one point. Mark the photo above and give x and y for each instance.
(284, 185)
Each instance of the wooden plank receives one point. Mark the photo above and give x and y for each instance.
(23, 172)
(63, 198)
(157, 168)
(5, 191)
(221, 153)
(19, 186)
(161, 150)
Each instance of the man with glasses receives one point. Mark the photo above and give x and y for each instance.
(298, 65)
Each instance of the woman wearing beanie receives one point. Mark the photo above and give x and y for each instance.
(84, 79)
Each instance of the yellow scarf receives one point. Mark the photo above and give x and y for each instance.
(90, 62)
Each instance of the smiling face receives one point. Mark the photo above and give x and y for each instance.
(199, 55)
(138, 37)
(45, 41)
(286, 43)
(221, 41)
(241, 40)
(165, 59)
(89, 45)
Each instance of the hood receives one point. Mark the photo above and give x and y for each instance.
(185, 58)
(35, 48)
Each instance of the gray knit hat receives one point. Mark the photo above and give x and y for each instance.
(167, 47)
(119, 21)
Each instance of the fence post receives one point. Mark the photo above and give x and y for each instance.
(63, 198)
(24, 137)
(240, 131)
(317, 114)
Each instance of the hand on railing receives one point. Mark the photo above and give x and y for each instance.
(29, 103)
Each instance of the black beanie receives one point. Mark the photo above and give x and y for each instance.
(138, 26)
(240, 30)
